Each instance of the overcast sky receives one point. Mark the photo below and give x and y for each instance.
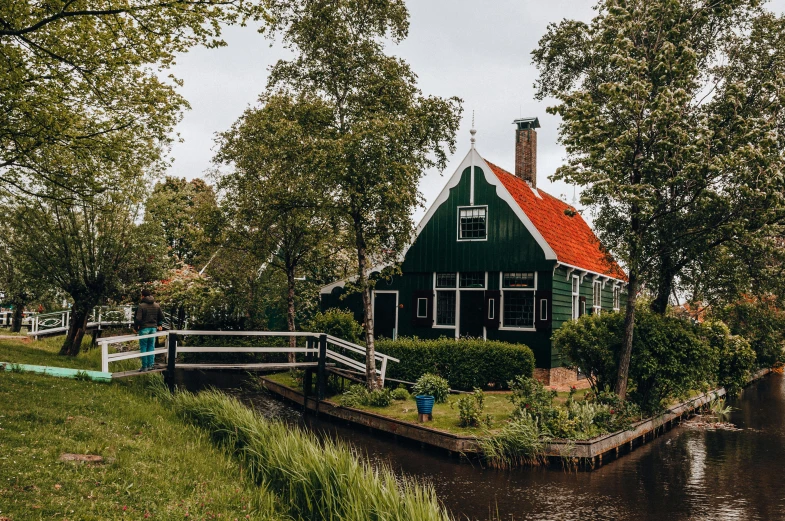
(478, 51)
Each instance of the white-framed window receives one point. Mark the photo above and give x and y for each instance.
(491, 309)
(597, 297)
(445, 285)
(422, 308)
(543, 309)
(518, 306)
(472, 223)
(616, 298)
(576, 297)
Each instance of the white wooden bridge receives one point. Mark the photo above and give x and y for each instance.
(318, 349)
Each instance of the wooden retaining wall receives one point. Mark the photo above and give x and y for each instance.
(587, 454)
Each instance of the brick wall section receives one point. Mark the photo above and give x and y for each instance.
(526, 155)
(560, 377)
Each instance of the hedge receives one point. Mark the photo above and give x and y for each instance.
(465, 363)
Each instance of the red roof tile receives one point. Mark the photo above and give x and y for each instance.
(570, 237)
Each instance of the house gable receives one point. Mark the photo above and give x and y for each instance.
(513, 243)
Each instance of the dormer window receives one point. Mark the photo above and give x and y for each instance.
(473, 223)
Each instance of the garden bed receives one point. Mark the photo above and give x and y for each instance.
(399, 419)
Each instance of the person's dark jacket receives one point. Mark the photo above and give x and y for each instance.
(148, 314)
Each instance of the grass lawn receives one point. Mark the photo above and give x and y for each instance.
(155, 466)
(445, 416)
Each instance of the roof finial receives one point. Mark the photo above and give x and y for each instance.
(473, 131)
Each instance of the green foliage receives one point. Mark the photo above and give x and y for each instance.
(400, 394)
(432, 385)
(669, 357)
(383, 133)
(520, 442)
(358, 395)
(719, 409)
(595, 415)
(465, 363)
(314, 478)
(85, 82)
(737, 358)
(762, 323)
(470, 409)
(338, 323)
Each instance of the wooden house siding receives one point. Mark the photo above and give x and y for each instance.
(509, 246)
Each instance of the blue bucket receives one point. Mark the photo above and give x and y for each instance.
(424, 403)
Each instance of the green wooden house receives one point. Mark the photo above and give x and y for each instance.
(495, 258)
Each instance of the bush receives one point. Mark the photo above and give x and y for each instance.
(432, 385)
(337, 322)
(400, 394)
(521, 441)
(762, 324)
(669, 357)
(465, 363)
(736, 356)
(359, 395)
(470, 407)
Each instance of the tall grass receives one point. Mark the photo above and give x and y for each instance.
(316, 479)
(520, 442)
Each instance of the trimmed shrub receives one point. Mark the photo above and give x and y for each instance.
(337, 322)
(669, 356)
(400, 394)
(465, 363)
(432, 385)
(736, 356)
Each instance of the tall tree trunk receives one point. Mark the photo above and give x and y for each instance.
(370, 348)
(290, 310)
(665, 280)
(76, 329)
(629, 327)
(16, 319)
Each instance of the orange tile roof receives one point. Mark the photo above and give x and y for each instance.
(570, 237)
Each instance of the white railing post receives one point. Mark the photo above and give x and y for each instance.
(384, 369)
(105, 357)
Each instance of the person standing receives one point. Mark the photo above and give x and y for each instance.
(149, 319)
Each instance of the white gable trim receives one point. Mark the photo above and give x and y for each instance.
(474, 159)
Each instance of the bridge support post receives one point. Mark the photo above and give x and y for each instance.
(321, 373)
(171, 356)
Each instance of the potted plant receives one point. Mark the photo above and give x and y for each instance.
(429, 389)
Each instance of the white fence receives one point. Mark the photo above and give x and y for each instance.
(57, 322)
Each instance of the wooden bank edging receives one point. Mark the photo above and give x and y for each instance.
(586, 450)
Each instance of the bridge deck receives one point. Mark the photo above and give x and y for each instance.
(208, 366)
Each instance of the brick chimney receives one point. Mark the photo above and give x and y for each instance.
(526, 149)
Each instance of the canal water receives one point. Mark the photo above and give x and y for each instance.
(685, 474)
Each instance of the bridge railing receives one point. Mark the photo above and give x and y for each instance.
(316, 348)
(100, 316)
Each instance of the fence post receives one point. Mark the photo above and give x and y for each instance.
(321, 376)
(171, 355)
(105, 357)
(384, 369)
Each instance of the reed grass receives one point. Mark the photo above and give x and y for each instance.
(315, 479)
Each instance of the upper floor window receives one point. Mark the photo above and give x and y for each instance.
(616, 298)
(473, 223)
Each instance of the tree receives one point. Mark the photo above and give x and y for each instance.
(276, 193)
(18, 288)
(89, 247)
(187, 213)
(384, 132)
(83, 78)
(676, 144)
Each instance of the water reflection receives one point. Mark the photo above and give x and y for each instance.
(682, 475)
